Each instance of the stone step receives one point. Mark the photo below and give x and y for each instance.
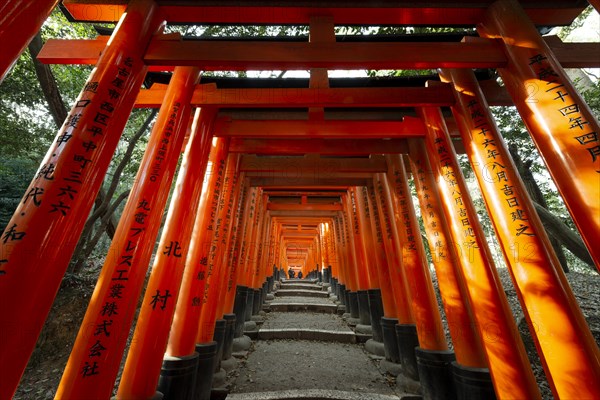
(301, 293)
(296, 280)
(307, 334)
(296, 306)
(306, 286)
(316, 394)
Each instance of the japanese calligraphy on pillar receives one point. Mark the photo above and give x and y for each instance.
(57, 184)
(116, 304)
(209, 248)
(405, 203)
(370, 192)
(234, 256)
(248, 229)
(256, 248)
(431, 219)
(566, 107)
(498, 170)
(354, 213)
(385, 212)
(447, 166)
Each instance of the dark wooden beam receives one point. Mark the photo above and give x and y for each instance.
(350, 12)
(244, 56)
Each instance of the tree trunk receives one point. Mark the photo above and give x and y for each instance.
(59, 113)
(104, 209)
(87, 246)
(56, 106)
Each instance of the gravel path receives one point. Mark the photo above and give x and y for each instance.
(301, 300)
(305, 320)
(297, 364)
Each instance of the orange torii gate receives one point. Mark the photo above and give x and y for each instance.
(238, 226)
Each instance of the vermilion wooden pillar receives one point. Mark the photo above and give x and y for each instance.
(569, 352)
(414, 262)
(247, 237)
(231, 223)
(353, 259)
(397, 271)
(506, 355)
(362, 274)
(382, 263)
(234, 255)
(217, 247)
(346, 260)
(39, 240)
(142, 368)
(254, 267)
(561, 124)
(21, 20)
(247, 250)
(182, 337)
(364, 237)
(94, 362)
(465, 338)
(261, 244)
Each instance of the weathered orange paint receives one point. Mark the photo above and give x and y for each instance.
(507, 360)
(96, 356)
(466, 341)
(566, 346)
(46, 226)
(559, 121)
(182, 337)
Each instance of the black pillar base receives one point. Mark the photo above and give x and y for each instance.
(353, 302)
(435, 373)
(249, 304)
(363, 307)
(256, 304)
(178, 377)
(320, 277)
(407, 341)
(334, 288)
(473, 383)
(239, 309)
(347, 299)
(206, 367)
(376, 312)
(271, 283)
(219, 337)
(263, 293)
(229, 334)
(342, 294)
(390, 340)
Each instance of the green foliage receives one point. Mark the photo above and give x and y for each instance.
(26, 127)
(15, 175)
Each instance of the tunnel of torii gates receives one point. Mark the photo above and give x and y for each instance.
(313, 176)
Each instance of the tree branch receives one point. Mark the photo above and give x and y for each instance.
(571, 240)
(128, 153)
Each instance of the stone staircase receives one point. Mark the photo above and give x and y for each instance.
(304, 348)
